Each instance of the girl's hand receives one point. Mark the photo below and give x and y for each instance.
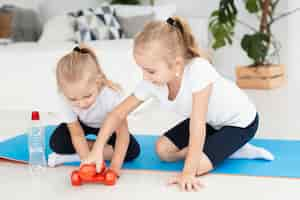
(186, 182)
(95, 158)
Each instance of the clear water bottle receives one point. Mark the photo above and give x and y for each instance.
(36, 144)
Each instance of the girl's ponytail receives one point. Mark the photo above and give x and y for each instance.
(192, 49)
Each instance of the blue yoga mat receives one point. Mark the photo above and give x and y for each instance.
(286, 152)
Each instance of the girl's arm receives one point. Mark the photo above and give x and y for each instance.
(197, 130)
(78, 139)
(121, 146)
(113, 121)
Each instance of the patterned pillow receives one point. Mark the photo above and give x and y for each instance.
(96, 24)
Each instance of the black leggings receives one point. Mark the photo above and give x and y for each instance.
(60, 141)
(219, 144)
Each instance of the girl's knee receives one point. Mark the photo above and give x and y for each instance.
(164, 148)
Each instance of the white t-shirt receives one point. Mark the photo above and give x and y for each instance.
(228, 105)
(94, 116)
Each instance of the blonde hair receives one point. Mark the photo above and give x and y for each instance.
(73, 67)
(174, 35)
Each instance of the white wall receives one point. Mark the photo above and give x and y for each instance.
(294, 67)
(190, 7)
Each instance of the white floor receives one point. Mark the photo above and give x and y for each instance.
(17, 183)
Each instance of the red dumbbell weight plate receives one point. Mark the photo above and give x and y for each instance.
(110, 177)
(75, 178)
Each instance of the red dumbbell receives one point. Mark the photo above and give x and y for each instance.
(87, 174)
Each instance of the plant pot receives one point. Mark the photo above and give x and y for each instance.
(260, 77)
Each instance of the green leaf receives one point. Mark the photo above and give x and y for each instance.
(252, 6)
(227, 11)
(222, 22)
(218, 44)
(256, 46)
(215, 13)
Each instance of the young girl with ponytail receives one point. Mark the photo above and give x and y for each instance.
(87, 98)
(220, 118)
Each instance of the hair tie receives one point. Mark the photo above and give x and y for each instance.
(80, 50)
(77, 49)
(171, 21)
(175, 24)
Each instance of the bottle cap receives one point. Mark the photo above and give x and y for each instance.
(35, 115)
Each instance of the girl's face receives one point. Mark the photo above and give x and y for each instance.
(156, 71)
(81, 94)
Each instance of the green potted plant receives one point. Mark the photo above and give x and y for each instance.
(260, 44)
